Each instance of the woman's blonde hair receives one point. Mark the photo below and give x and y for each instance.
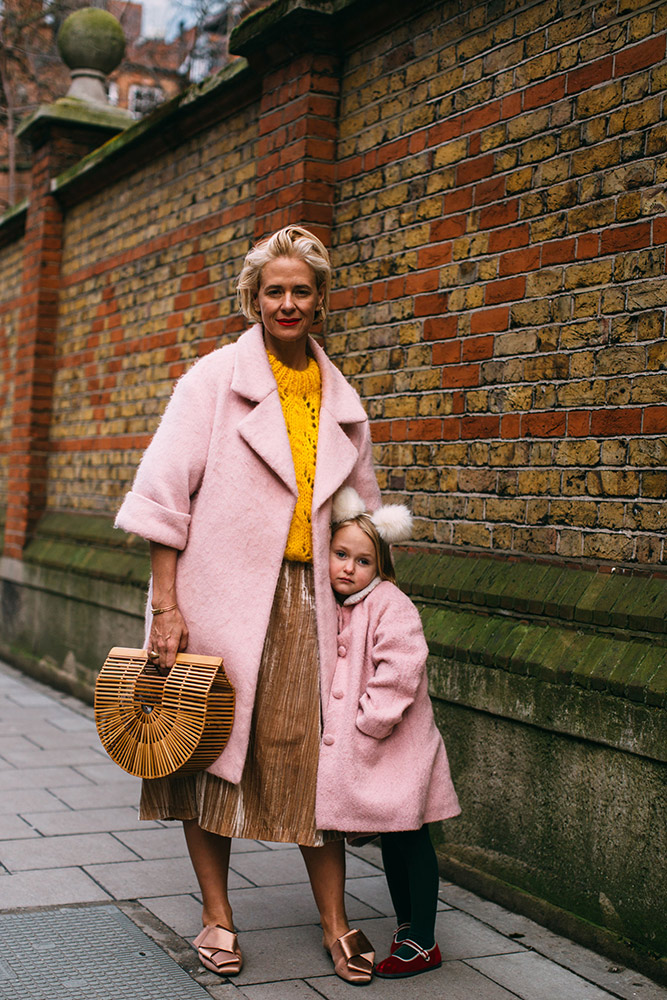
(385, 562)
(291, 241)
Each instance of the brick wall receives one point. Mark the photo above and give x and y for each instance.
(148, 280)
(11, 268)
(500, 238)
(491, 181)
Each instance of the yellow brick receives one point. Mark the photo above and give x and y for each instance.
(478, 535)
(582, 394)
(531, 205)
(544, 282)
(583, 514)
(585, 304)
(451, 152)
(539, 482)
(442, 180)
(613, 452)
(577, 452)
(526, 125)
(586, 275)
(599, 99)
(519, 180)
(582, 364)
(549, 227)
(606, 154)
(493, 137)
(537, 69)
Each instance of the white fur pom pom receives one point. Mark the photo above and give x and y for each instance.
(393, 522)
(346, 504)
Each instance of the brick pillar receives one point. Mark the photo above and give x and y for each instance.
(57, 144)
(297, 62)
(297, 145)
(33, 374)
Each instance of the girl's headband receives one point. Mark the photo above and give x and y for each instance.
(392, 521)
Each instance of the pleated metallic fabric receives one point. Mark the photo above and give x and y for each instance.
(275, 799)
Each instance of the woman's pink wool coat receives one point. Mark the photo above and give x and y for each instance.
(383, 765)
(217, 482)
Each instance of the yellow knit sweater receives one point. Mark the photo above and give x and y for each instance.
(300, 394)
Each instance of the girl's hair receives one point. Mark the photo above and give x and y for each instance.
(292, 241)
(385, 562)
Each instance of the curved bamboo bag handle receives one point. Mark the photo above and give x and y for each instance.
(153, 725)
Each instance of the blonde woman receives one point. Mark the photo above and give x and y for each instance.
(234, 494)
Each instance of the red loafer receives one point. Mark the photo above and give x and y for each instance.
(395, 943)
(396, 967)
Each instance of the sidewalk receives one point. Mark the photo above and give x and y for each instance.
(75, 864)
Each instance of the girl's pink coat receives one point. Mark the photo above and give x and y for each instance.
(383, 765)
(217, 482)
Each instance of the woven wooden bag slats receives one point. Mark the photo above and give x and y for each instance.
(151, 725)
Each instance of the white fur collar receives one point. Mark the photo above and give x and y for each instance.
(359, 596)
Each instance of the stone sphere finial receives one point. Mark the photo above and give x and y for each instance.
(91, 42)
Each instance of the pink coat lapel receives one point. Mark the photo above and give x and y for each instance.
(336, 454)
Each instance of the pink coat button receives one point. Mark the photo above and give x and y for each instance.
(342, 651)
(337, 693)
(328, 740)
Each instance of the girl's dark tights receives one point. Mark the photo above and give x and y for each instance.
(411, 868)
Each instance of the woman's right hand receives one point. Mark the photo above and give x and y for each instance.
(168, 636)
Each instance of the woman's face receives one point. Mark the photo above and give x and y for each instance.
(288, 299)
(352, 560)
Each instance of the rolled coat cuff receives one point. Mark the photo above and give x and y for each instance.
(377, 728)
(140, 516)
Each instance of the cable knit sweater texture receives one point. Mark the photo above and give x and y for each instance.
(300, 395)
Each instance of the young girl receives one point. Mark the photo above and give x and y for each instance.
(383, 765)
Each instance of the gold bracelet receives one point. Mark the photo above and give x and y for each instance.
(161, 611)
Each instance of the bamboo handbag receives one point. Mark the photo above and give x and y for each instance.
(151, 724)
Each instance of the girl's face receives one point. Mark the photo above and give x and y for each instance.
(352, 560)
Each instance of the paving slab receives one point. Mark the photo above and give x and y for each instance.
(48, 737)
(282, 953)
(21, 800)
(12, 827)
(54, 757)
(30, 699)
(622, 982)
(124, 818)
(283, 905)
(105, 772)
(281, 867)
(181, 912)
(533, 977)
(132, 879)
(62, 852)
(227, 992)
(40, 777)
(452, 981)
(14, 743)
(461, 936)
(100, 796)
(240, 846)
(51, 887)
(156, 843)
(290, 989)
(71, 722)
(373, 891)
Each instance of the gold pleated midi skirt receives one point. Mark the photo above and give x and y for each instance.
(275, 799)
